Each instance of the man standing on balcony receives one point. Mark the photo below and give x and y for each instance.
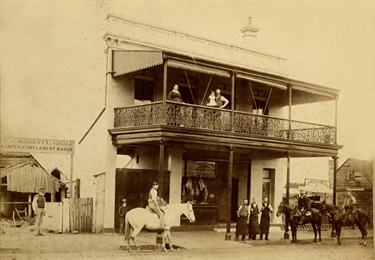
(220, 99)
(153, 202)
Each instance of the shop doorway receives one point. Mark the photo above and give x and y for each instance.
(268, 187)
(134, 186)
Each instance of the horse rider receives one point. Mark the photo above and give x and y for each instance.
(349, 205)
(304, 204)
(153, 202)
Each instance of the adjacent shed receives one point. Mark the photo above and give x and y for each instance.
(356, 176)
(21, 177)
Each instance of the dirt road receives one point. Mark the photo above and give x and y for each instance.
(21, 243)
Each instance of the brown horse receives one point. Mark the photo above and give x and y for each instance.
(360, 217)
(336, 215)
(315, 219)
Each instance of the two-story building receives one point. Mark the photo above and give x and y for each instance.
(211, 156)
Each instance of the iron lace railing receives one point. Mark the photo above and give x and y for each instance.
(202, 117)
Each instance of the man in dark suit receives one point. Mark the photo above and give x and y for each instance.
(304, 204)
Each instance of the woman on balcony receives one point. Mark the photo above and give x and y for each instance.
(178, 114)
(175, 95)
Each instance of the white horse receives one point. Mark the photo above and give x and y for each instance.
(139, 218)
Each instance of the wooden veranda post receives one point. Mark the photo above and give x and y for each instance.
(286, 233)
(165, 78)
(229, 201)
(334, 178)
(71, 193)
(290, 110)
(161, 168)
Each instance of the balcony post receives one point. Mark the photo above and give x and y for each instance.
(289, 86)
(334, 178)
(286, 233)
(229, 187)
(336, 120)
(165, 77)
(232, 101)
(161, 168)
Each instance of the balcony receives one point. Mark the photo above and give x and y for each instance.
(222, 121)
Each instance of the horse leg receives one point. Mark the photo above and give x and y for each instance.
(315, 231)
(163, 242)
(338, 234)
(169, 239)
(127, 237)
(128, 230)
(320, 231)
(333, 232)
(294, 235)
(133, 236)
(364, 235)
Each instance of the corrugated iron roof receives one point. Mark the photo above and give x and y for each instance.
(25, 174)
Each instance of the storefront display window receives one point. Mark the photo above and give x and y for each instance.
(198, 183)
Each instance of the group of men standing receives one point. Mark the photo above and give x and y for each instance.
(247, 219)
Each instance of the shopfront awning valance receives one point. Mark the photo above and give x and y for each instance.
(263, 81)
(198, 68)
(130, 61)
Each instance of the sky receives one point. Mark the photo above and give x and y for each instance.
(45, 43)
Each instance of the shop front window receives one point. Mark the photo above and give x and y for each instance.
(198, 183)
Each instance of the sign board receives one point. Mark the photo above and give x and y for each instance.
(316, 186)
(19, 144)
(200, 169)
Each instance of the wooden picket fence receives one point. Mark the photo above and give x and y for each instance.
(81, 215)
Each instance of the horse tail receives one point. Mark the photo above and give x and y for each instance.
(127, 227)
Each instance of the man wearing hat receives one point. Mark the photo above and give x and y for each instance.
(39, 203)
(122, 213)
(304, 205)
(153, 202)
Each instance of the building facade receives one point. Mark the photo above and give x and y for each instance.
(356, 176)
(211, 156)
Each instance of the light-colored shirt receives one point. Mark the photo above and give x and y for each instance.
(243, 210)
(35, 201)
(269, 207)
(153, 195)
(349, 202)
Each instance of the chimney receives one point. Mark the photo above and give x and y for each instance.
(249, 34)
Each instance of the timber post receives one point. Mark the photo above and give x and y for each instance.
(229, 186)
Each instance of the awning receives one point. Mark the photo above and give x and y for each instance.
(198, 68)
(129, 61)
(263, 81)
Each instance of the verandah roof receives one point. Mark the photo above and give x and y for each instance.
(127, 61)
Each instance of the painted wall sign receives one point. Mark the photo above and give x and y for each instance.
(20, 144)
